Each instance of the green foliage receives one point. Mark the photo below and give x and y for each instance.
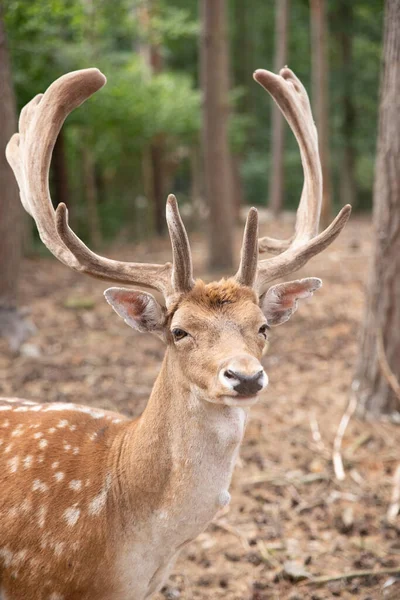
(50, 37)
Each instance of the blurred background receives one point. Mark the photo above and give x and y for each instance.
(141, 136)
(316, 493)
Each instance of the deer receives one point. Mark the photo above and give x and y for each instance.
(97, 506)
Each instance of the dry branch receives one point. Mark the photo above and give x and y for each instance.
(394, 506)
(351, 575)
(337, 442)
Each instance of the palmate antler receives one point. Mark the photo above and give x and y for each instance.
(29, 154)
(291, 97)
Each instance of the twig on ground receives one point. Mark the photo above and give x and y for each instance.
(351, 575)
(337, 442)
(394, 506)
(385, 367)
(286, 481)
(315, 432)
(233, 531)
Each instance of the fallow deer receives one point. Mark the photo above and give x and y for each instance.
(94, 506)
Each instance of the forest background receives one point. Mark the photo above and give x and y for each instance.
(140, 137)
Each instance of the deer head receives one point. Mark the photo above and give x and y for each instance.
(215, 333)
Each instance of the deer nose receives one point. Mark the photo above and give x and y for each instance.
(245, 385)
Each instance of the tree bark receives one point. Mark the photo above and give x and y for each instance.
(90, 186)
(319, 31)
(382, 317)
(12, 324)
(60, 172)
(348, 187)
(282, 8)
(153, 57)
(217, 160)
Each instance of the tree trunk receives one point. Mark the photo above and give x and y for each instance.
(92, 210)
(217, 159)
(282, 8)
(12, 324)
(152, 55)
(319, 31)
(348, 187)
(158, 184)
(60, 171)
(381, 325)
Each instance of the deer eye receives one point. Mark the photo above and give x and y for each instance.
(178, 334)
(264, 330)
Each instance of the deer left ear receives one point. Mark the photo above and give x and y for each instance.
(139, 310)
(281, 300)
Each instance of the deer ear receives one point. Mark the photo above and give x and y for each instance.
(139, 310)
(281, 301)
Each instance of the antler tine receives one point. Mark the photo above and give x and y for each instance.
(29, 154)
(247, 271)
(182, 271)
(292, 99)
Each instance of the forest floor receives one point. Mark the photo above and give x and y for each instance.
(290, 520)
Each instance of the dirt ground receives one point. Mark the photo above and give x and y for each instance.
(289, 520)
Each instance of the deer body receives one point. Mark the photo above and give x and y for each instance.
(94, 506)
(105, 504)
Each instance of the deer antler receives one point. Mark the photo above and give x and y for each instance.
(291, 97)
(29, 154)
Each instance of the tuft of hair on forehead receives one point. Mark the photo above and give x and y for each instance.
(218, 293)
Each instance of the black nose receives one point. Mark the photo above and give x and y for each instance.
(246, 385)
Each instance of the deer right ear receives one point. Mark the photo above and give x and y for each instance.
(139, 310)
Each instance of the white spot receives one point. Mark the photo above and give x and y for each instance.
(42, 516)
(38, 435)
(20, 556)
(12, 513)
(55, 465)
(6, 423)
(58, 548)
(17, 431)
(75, 450)
(71, 515)
(92, 436)
(67, 446)
(62, 423)
(1, 442)
(43, 444)
(40, 459)
(52, 430)
(55, 596)
(26, 505)
(36, 408)
(72, 428)
(27, 461)
(59, 476)
(13, 464)
(116, 421)
(5, 407)
(99, 501)
(7, 556)
(7, 448)
(75, 485)
(39, 486)
(21, 409)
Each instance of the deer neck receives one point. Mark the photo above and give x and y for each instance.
(181, 451)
